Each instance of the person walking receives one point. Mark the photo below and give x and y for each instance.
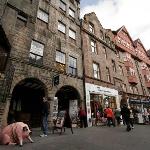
(118, 115)
(45, 113)
(110, 116)
(82, 116)
(125, 112)
(131, 118)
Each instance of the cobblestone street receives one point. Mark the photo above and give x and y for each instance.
(95, 138)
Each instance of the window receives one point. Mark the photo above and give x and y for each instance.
(91, 27)
(121, 70)
(131, 88)
(96, 70)
(60, 61)
(42, 15)
(61, 27)
(62, 5)
(104, 52)
(135, 90)
(113, 65)
(21, 20)
(36, 52)
(72, 65)
(107, 74)
(101, 35)
(93, 46)
(71, 13)
(72, 34)
(124, 87)
(60, 57)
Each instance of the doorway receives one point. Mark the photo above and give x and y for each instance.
(26, 102)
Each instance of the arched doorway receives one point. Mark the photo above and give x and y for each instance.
(65, 94)
(26, 102)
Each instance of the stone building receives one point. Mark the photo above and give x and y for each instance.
(44, 54)
(103, 72)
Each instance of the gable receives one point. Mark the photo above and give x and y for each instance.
(124, 41)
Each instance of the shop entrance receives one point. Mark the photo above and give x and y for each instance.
(26, 102)
(64, 95)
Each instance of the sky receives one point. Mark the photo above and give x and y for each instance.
(113, 14)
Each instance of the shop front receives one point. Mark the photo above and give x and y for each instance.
(97, 99)
(141, 110)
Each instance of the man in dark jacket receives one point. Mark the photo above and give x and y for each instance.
(125, 112)
(45, 113)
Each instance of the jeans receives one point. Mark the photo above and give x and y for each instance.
(45, 124)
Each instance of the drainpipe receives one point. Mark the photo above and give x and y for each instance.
(84, 90)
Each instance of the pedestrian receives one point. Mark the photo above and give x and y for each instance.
(118, 115)
(125, 112)
(110, 116)
(45, 113)
(68, 121)
(82, 116)
(131, 118)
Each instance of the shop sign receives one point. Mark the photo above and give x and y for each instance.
(137, 101)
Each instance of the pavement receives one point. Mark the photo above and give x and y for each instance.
(93, 138)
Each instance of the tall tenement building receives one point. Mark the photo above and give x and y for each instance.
(103, 74)
(40, 55)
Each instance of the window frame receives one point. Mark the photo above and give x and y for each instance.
(64, 4)
(91, 28)
(61, 23)
(59, 61)
(93, 47)
(104, 52)
(74, 69)
(43, 12)
(36, 53)
(72, 31)
(108, 74)
(72, 11)
(96, 72)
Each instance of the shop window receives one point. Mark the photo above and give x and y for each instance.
(96, 71)
(96, 103)
(93, 46)
(72, 65)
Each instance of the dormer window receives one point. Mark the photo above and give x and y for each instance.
(91, 27)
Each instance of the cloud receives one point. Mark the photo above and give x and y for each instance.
(134, 14)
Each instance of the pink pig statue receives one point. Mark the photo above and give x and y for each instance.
(15, 133)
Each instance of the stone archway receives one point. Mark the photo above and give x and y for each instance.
(26, 102)
(65, 94)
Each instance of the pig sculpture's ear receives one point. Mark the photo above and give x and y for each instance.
(25, 129)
